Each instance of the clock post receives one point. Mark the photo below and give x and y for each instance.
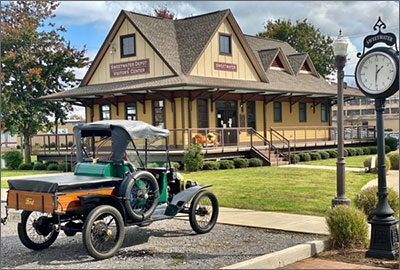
(377, 76)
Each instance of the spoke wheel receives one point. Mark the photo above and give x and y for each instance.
(103, 232)
(203, 212)
(36, 230)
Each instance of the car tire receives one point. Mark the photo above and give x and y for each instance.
(128, 188)
(48, 235)
(200, 218)
(97, 232)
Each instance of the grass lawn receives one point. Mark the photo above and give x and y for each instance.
(11, 173)
(288, 190)
(354, 162)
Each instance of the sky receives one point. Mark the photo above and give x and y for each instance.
(88, 22)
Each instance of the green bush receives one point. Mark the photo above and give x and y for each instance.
(387, 149)
(359, 151)
(332, 153)
(255, 162)
(305, 156)
(366, 150)
(345, 152)
(348, 227)
(13, 159)
(226, 164)
(368, 160)
(176, 165)
(294, 158)
(324, 154)
(315, 156)
(367, 200)
(211, 165)
(193, 158)
(52, 167)
(373, 150)
(351, 152)
(394, 160)
(25, 167)
(52, 145)
(70, 144)
(64, 167)
(241, 163)
(392, 143)
(39, 166)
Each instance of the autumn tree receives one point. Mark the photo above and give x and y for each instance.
(304, 37)
(164, 12)
(36, 61)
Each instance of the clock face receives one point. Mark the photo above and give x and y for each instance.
(376, 72)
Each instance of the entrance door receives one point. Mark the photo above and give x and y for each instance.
(227, 118)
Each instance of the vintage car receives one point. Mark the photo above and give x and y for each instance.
(123, 177)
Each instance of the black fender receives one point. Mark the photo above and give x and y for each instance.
(181, 199)
(91, 201)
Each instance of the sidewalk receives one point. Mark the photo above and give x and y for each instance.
(392, 179)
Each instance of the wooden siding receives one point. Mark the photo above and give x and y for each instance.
(143, 51)
(205, 65)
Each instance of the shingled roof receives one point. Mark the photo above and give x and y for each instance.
(267, 57)
(297, 61)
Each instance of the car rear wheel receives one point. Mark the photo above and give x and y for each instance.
(103, 232)
(203, 212)
(36, 230)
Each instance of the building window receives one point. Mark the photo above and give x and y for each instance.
(202, 113)
(251, 114)
(387, 111)
(303, 112)
(367, 111)
(324, 113)
(334, 113)
(353, 102)
(394, 110)
(367, 101)
(105, 112)
(277, 111)
(130, 111)
(353, 112)
(159, 113)
(225, 44)
(128, 46)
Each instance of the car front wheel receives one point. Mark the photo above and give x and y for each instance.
(203, 212)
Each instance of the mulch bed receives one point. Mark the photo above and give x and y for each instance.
(357, 256)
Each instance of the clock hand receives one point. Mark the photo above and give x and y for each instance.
(376, 75)
(379, 69)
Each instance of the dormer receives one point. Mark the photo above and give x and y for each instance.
(275, 59)
(301, 63)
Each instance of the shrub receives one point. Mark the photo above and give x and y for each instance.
(315, 156)
(176, 165)
(332, 153)
(373, 150)
(324, 154)
(348, 227)
(226, 164)
(305, 157)
(211, 165)
(241, 163)
(359, 151)
(368, 160)
(193, 158)
(394, 160)
(52, 167)
(52, 145)
(13, 159)
(62, 166)
(25, 167)
(255, 162)
(367, 200)
(346, 152)
(351, 152)
(387, 149)
(392, 143)
(366, 150)
(39, 166)
(70, 144)
(294, 158)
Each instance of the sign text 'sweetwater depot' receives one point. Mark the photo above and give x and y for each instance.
(130, 68)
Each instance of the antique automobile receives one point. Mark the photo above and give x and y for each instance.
(123, 177)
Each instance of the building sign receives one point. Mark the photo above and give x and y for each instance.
(130, 68)
(225, 66)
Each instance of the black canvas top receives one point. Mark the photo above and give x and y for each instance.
(64, 183)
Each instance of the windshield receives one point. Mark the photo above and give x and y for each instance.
(97, 147)
(156, 153)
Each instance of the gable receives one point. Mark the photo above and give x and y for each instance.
(305, 67)
(235, 66)
(277, 63)
(112, 68)
(281, 62)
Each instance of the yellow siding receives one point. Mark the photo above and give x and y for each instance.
(145, 117)
(143, 51)
(205, 65)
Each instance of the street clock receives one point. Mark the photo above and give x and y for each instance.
(377, 73)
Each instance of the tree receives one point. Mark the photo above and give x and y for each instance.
(163, 12)
(304, 37)
(36, 61)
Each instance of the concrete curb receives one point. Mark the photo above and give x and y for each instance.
(283, 257)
